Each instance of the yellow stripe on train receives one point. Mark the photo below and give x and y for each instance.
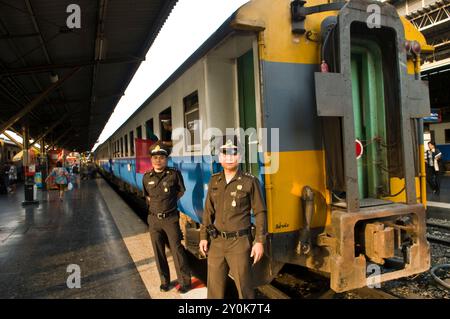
(283, 190)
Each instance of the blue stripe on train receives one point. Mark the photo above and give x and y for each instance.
(196, 175)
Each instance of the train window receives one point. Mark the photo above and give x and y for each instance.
(121, 146)
(139, 131)
(165, 121)
(131, 143)
(191, 121)
(150, 130)
(126, 144)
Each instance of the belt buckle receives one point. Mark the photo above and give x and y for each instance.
(160, 215)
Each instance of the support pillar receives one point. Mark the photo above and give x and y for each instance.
(29, 177)
(43, 164)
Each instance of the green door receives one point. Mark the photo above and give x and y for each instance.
(247, 110)
(370, 117)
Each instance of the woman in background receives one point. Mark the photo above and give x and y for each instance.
(61, 176)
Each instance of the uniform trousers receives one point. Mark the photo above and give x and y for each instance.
(168, 229)
(230, 255)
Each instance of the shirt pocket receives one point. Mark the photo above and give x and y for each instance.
(168, 188)
(242, 199)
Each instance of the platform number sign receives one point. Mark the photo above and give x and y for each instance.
(74, 19)
(359, 149)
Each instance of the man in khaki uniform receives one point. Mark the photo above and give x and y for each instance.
(232, 194)
(163, 186)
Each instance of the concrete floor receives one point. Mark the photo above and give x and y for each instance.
(444, 195)
(38, 243)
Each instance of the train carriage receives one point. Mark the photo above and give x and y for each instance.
(311, 77)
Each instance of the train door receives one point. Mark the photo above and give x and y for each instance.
(369, 117)
(247, 111)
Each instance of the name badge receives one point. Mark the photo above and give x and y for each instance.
(151, 183)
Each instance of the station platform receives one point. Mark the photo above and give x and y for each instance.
(444, 196)
(41, 247)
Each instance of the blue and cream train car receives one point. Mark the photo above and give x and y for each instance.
(319, 77)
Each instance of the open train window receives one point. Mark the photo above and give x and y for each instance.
(139, 132)
(150, 130)
(191, 122)
(126, 145)
(131, 143)
(165, 121)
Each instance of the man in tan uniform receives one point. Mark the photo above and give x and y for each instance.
(163, 186)
(232, 194)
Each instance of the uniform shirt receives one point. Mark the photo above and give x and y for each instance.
(163, 189)
(228, 206)
(432, 158)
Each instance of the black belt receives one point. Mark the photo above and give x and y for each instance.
(234, 234)
(165, 215)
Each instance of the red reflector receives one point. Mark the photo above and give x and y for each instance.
(359, 149)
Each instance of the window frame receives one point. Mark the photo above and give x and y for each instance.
(193, 147)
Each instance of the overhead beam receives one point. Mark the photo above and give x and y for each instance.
(55, 142)
(63, 118)
(18, 36)
(17, 142)
(36, 101)
(12, 139)
(50, 67)
(99, 53)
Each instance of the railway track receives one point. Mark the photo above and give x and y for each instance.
(438, 232)
(308, 285)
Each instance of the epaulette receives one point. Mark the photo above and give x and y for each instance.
(249, 175)
(172, 169)
(149, 173)
(217, 174)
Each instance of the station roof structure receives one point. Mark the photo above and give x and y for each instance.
(64, 79)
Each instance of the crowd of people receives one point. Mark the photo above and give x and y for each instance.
(61, 176)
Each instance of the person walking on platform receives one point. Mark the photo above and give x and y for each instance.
(76, 175)
(4, 178)
(433, 157)
(163, 186)
(12, 177)
(232, 194)
(61, 176)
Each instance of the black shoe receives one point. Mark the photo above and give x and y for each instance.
(164, 288)
(184, 289)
